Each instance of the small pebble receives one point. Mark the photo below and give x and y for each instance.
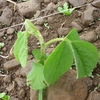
(77, 26)
(22, 93)
(20, 82)
(7, 79)
(89, 36)
(10, 31)
(9, 65)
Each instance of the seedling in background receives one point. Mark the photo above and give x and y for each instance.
(99, 19)
(1, 45)
(48, 69)
(4, 25)
(97, 87)
(3, 96)
(46, 25)
(66, 10)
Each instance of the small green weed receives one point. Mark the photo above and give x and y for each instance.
(97, 87)
(4, 25)
(66, 10)
(1, 45)
(99, 19)
(46, 25)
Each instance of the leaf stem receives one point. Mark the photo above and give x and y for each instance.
(41, 40)
(53, 40)
(40, 95)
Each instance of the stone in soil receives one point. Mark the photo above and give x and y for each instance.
(26, 70)
(7, 79)
(40, 21)
(77, 26)
(94, 96)
(33, 95)
(96, 80)
(77, 2)
(9, 37)
(2, 33)
(68, 88)
(46, 1)
(3, 4)
(39, 28)
(10, 87)
(51, 6)
(97, 30)
(49, 50)
(29, 8)
(22, 93)
(37, 14)
(88, 81)
(20, 82)
(13, 98)
(50, 19)
(87, 17)
(10, 31)
(6, 17)
(96, 3)
(11, 56)
(88, 36)
(9, 65)
(4, 49)
(63, 31)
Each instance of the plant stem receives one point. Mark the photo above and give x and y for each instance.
(41, 40)
(53, 40)
(40, 94)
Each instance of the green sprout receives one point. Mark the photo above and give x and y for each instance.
(46, 25)
(97, 87)
(3, 96)
(66, 10)
(1, 45)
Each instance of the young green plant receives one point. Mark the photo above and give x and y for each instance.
(46, 25)
(3, 96)
(65, 9)
(48, 69)
(1, 45)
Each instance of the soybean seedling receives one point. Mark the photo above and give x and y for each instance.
(3, 96)
(48, 69)
(66, 10)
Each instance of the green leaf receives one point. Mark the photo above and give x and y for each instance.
(37, 54)
(60, 9)
(59, 61)
(3, 96)
(65, 6)
(65, 10)
(35, 78)
(71, 10)
(73, 35)
(21, 48)
(86, 57)
(32, 29)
